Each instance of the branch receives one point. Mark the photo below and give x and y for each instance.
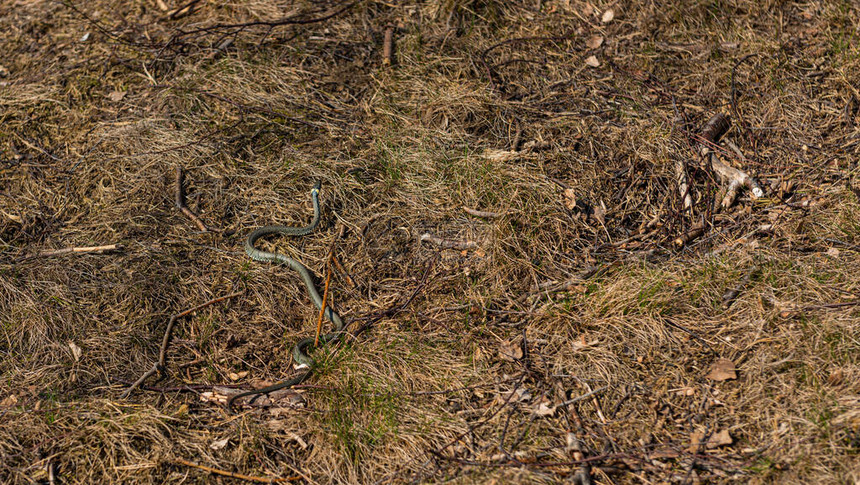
(165, 342)
(239, 476)
(180, 200)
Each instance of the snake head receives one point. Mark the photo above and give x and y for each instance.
(317, 186)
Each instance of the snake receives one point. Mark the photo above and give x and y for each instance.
(304, 362)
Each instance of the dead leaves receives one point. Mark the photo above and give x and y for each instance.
(511, 351)
(594, 41)
(716, 440)
(570, 198)
(116, 96)
(608, 16)
(722, 370)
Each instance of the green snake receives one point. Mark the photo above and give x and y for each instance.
(304, 361)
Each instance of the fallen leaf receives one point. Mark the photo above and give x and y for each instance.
(599, 213)
(833, 252)
(608, 15)
(9, 400)
(594, 41)
(664, 453)
(219, 444)
(722, 370)
(696, 438)
(76, 351)
(569, 198)
(117, 96)
(723, 438)
(544, 409)
(511, 351)
(592, 61)
(235, 376)
(520, 394)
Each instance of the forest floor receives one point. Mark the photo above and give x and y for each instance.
(529, 298)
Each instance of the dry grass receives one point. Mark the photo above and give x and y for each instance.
(489, 105)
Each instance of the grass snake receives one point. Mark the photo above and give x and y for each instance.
(304, 361)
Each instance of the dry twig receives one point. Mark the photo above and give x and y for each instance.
(180, 200)
(388, 46)
(485, 214)
(162, 356)
(239, 476)
(324, 297)
(78, 250)
(449, 243)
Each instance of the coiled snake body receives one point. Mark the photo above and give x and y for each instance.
(305, 362)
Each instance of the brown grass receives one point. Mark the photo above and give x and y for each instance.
(488, 105)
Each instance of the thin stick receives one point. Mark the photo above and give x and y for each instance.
(83, 249)
(477, 213)
(388, 46)
(449, 243)
(180, 200)
(324, 299)
(239, 476)
(162, 355)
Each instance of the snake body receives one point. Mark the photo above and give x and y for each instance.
(305, 362)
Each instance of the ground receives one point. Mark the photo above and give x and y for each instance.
(587, 327)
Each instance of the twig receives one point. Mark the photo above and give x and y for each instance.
(830, 305)
(584, 396)
(162, 356)
(388, 46)
(732, 294)
(325, 296)
(449, 243)
(180, 200)
(239, 476)
(485, 214)
(711, 132)
(80, 250)
(184, 10)
(683, 184)
(371, 319)
(264, 23)
(694, 233)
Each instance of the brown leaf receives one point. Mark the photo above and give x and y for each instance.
(608, 15)
(545, 409)
(219, 444)
(235, 376)
(76, 351)
(599, 213)
(511, 351)
(722, 370)
(594, 41)
(723, 438)
(117, 96)
(592, 61)
(569, 198)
